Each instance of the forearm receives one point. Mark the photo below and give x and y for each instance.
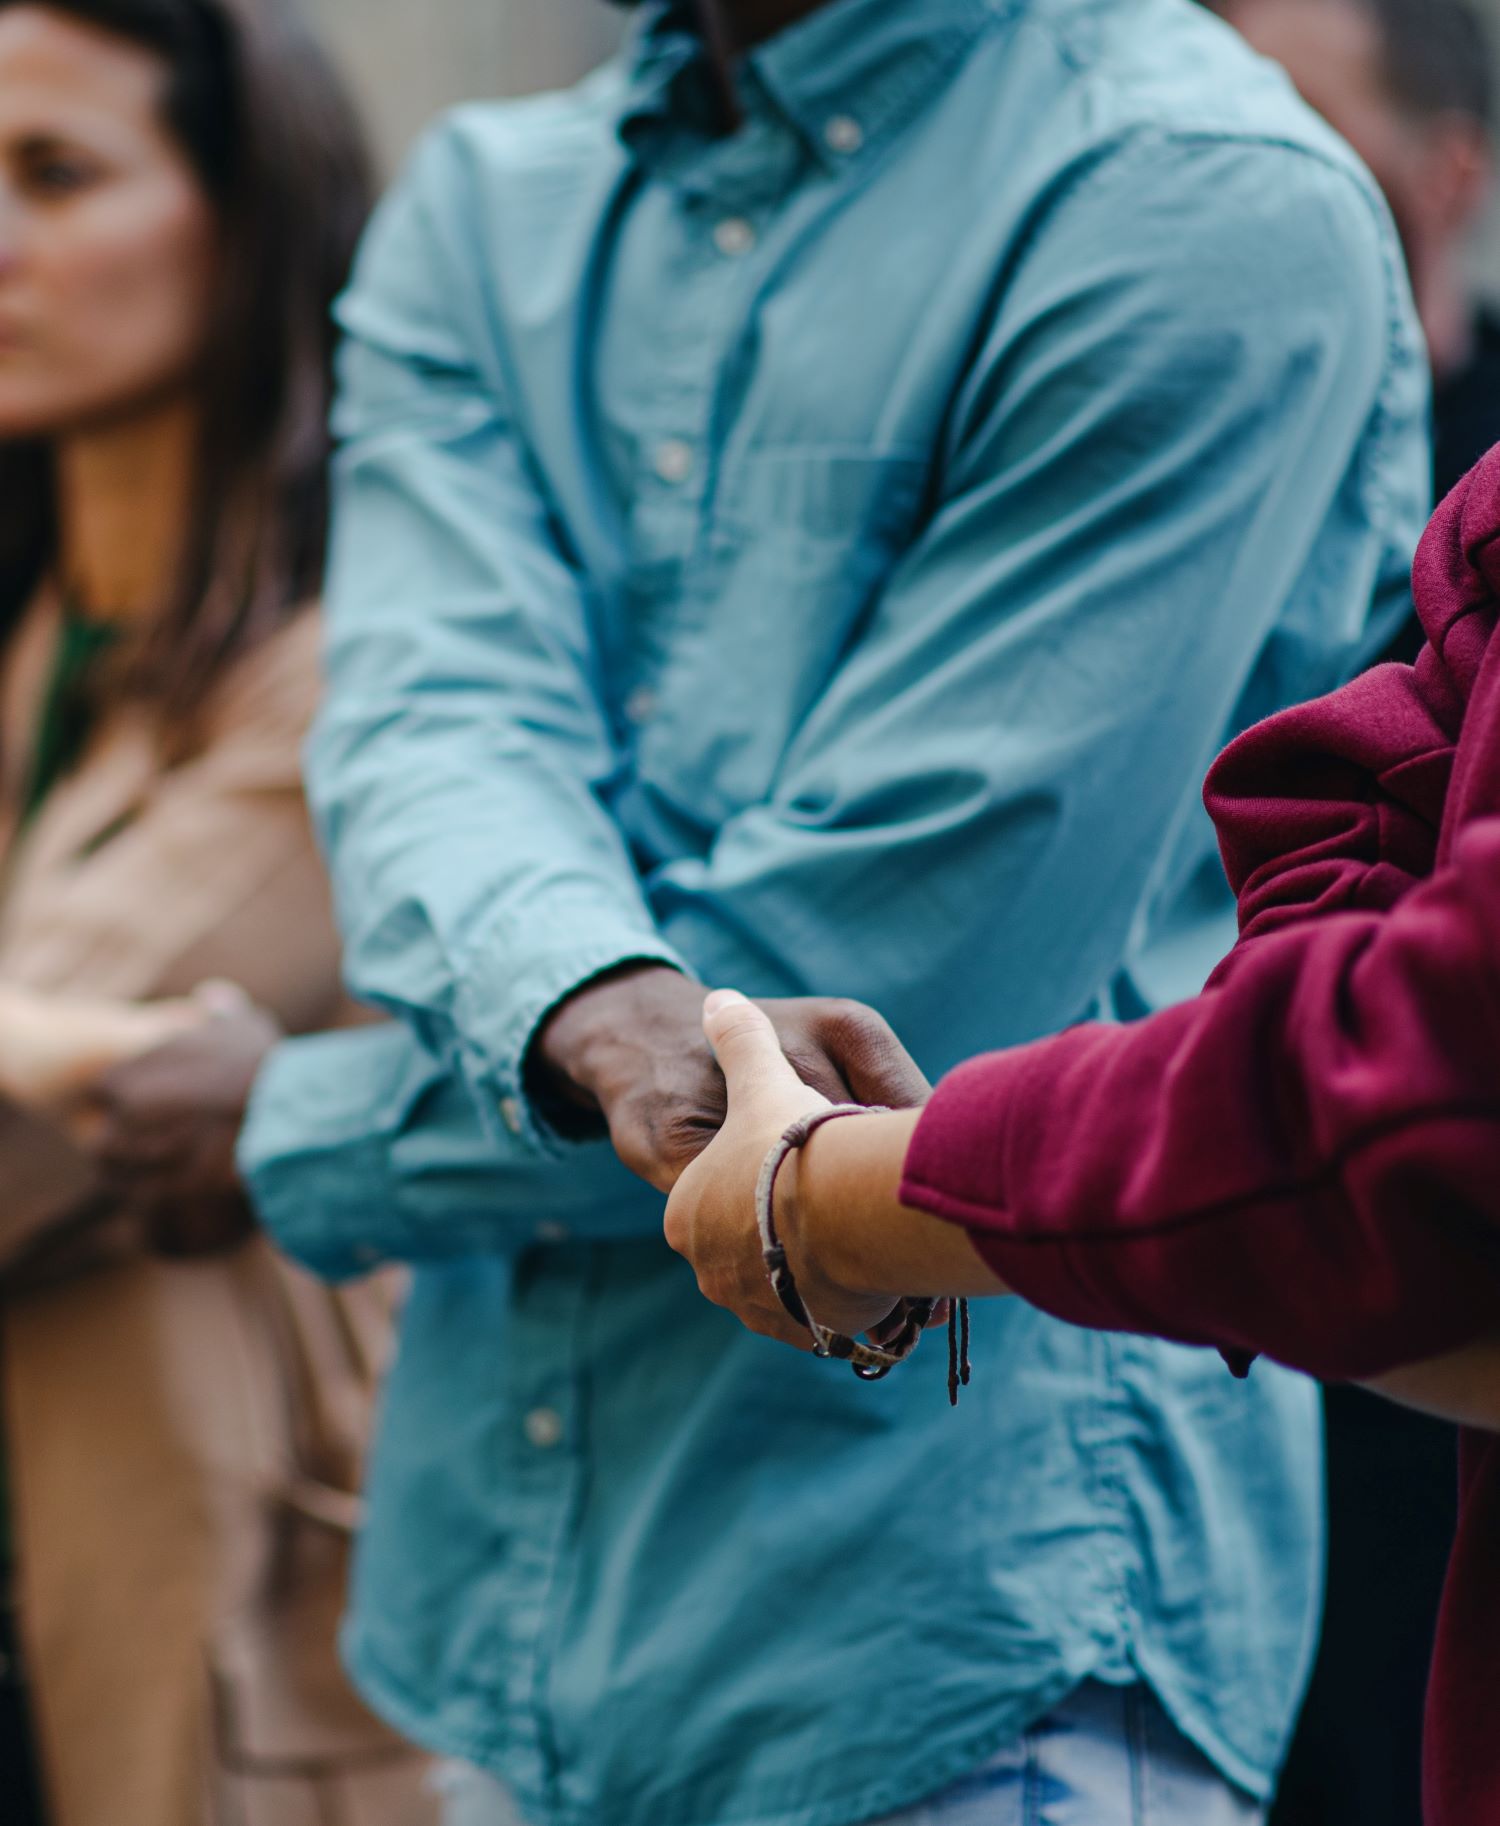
(1463, 1386)
(841, 1197)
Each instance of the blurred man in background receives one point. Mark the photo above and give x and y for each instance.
(811, 500)
(1410, 85)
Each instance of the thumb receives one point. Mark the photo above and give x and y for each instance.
(746, 1046)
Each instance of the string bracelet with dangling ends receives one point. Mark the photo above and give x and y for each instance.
(900, 1335)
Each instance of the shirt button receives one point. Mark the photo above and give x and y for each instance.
(734, 236)
(673, 461)
(549, 1231)
(640, 706)
(843, 134)
(544, 1428)
(510, 1114)
(367, 1255)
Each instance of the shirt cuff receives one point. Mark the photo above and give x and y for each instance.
(320, 1181)
(508, 985)
(360, 1148)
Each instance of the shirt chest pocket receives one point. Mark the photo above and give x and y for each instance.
(800, 543)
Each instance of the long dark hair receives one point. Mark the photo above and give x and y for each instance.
(267, 128)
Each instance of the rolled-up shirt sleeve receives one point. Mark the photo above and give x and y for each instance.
(361, 1148)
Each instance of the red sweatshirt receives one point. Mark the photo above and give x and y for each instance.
(1306, 1161)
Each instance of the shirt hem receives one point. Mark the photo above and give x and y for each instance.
(388, 1695)
(1191, 1721)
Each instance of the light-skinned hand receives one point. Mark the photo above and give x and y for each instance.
(711, 1217)
(53, 1048)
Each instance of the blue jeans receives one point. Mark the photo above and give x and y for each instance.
(1109, 1756)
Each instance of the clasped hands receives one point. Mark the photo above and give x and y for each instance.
(694, 1097)
(153, 1093)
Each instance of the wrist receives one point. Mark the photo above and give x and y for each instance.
(849, 1221)
(581, 1047)
(814, 1215)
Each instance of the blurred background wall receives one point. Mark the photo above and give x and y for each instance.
(408, 62)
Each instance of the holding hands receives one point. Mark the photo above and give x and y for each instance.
(694, 1094)
(154, 1095)
(630, 1048)
(161, 1125)
(711, 1217)
(54, 1047)
(855, 1251)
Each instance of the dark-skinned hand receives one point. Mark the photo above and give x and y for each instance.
(162, 1128)
(629, 1047)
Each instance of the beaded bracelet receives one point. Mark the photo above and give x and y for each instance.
(902, 1331)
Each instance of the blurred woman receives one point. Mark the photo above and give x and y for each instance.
(181, 187)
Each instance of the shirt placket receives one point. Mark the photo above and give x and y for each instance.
(543, 1485)
(706, 281)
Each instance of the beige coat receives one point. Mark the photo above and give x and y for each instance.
(182, 1439)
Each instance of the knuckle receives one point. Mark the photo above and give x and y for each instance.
(712, 1287)
(864, 1024)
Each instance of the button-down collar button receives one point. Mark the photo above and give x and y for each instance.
(843, 134)
(550, 1231)
(733, 236)
(673, 461)
(640, 706)
(544, 1428)
(510, 1114)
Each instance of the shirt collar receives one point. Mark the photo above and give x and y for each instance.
(846, 77)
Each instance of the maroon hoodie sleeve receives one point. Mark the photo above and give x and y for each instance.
(1337, 805)
(1305, 1161)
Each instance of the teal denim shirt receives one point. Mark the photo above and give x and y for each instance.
(827, 560)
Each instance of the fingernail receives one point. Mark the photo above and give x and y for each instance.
(721, 998)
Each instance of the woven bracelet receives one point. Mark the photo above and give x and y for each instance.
(902, 1332)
